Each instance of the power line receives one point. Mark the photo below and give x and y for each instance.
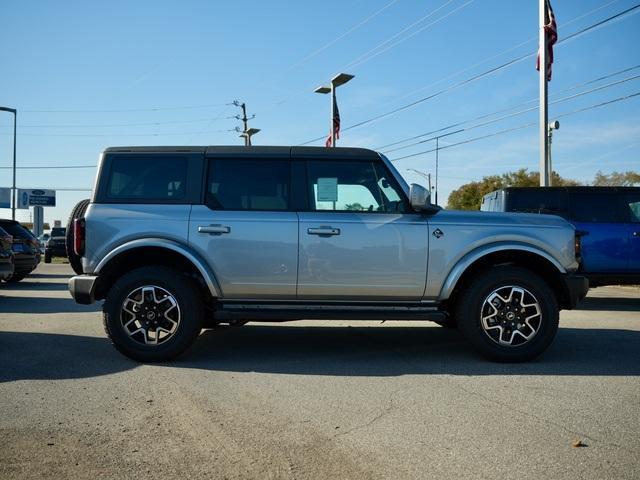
(389, 43)
(482, 74)
(151, 109)
(340, 37)
(520, 112)
(520, 127)
(88, 135)
(109, 125)
(510, 49)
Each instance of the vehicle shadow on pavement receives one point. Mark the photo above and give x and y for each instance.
(50, 275)
(389, 351)
(12, 304)
(36, 286)
(615, 304)
(47, 356)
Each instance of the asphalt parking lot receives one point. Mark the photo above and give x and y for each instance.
(340, 400)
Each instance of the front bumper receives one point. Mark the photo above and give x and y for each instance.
(82, 288)
(576, 288)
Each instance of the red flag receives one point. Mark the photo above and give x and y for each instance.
(336, 124)
(551, 32)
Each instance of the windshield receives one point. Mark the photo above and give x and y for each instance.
(58, 232)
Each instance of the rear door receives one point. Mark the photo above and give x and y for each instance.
(605, 246)
(246, 228)
(359, 238)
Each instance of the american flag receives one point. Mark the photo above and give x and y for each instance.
(551, 31)
(336, 124)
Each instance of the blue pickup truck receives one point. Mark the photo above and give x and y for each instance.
(607, 217)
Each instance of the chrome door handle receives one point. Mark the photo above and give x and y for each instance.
(214, 229)
(636, 234)
(323, 231)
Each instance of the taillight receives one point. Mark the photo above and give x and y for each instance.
(78, 236)
(578, 243)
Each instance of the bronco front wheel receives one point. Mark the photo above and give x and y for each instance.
(153, 314)
(508, 313)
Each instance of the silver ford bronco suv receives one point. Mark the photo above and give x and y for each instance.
(178, 239)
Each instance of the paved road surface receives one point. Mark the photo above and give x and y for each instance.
(307, 400)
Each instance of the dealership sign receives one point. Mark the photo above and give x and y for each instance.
(36, 198)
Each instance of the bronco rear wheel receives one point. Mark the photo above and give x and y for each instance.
(508, 314)
(153, 314)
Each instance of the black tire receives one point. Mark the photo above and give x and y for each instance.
(78, 212)
(47, 257)
(190, 321)
(500, 319)
(15, 278)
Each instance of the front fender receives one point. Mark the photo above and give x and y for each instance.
(467, 260)
(183, 250)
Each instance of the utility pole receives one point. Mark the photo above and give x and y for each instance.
(555, 125)
(437, 149)
(13, 187)
(246, 132)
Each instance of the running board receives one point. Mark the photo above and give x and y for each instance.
(226, 311)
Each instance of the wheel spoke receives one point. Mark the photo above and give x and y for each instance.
(510, 316)
(150, 315)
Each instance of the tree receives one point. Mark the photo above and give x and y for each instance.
(617, 179)
(469, 196)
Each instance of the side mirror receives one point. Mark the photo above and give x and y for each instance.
(420, 199)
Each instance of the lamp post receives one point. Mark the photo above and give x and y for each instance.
(555, 125)
(422, 174)
(336, 81)
(13, 187)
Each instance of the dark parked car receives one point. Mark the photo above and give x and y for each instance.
(608, 217)
(26, 249)
(56, 246)
(6, 255)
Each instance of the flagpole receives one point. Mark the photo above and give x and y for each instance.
(544, 115)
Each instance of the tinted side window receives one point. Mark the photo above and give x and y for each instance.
(594, 207)
(248, 184)
(147, 178)
(552, 202)
(351, 186)
(631, 207)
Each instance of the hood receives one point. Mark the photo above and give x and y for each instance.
(476, 217)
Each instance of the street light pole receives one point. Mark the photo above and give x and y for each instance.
(336, 81)
(13, 187)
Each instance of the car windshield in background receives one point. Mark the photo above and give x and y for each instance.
(16, 230)
(58, 232)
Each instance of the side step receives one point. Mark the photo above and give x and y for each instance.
(234, 311)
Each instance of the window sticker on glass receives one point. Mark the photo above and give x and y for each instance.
(327, 190)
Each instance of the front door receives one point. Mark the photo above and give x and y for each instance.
(359, 239)
(246, 229)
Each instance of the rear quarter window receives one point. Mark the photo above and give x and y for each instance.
(147, 178)
(595, 207)
(542, 200)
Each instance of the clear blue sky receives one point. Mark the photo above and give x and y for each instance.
(131, 56)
